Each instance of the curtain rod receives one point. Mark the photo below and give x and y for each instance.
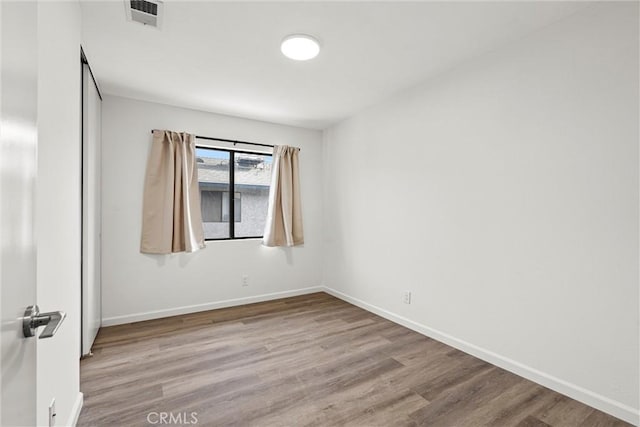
(231, 140)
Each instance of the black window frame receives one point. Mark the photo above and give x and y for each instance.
(232, 189)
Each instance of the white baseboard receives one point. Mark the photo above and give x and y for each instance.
(75, 411)
(156, 314)
(576, 392)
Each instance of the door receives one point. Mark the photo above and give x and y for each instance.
(18, 145)
(91, 209)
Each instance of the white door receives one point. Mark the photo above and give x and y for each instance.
(91, 210)
(18, 145)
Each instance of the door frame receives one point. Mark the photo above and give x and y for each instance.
(83, 62)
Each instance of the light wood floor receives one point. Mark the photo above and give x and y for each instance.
(309, 360)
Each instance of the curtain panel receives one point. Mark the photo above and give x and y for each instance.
(284, 217)
(171, 217)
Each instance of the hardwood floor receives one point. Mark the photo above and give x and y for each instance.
(312, 360)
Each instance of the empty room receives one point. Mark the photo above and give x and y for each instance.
(320, 213)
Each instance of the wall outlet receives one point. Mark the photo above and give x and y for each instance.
(407, 297)
(245, 280)
(52, 413)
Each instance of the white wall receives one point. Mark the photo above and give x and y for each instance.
(504, 195)
(58, 206)
(137, 286)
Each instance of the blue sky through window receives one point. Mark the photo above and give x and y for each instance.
(212, 153)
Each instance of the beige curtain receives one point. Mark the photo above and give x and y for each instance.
(284, 217)
(171, 217)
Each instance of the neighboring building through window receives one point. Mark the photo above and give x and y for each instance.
(251, 175)
(215, 205)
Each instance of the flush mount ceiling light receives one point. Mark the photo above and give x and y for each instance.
(300, 47)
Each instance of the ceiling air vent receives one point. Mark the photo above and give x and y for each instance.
(147, 12)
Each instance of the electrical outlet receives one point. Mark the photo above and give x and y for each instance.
(52, 413)
(407, 297)
(245, 280)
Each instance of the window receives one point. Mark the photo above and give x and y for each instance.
(250, 176)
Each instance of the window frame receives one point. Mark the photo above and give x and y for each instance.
(232, 190)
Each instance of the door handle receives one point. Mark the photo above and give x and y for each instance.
(33, 319)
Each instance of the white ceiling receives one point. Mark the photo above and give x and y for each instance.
(225, 57)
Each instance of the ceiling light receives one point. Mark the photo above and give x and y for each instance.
(300, 47)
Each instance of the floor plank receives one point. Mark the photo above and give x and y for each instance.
(312, 360)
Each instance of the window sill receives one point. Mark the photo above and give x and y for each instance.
(225, 239)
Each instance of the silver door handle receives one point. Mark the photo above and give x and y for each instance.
(33, 319)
